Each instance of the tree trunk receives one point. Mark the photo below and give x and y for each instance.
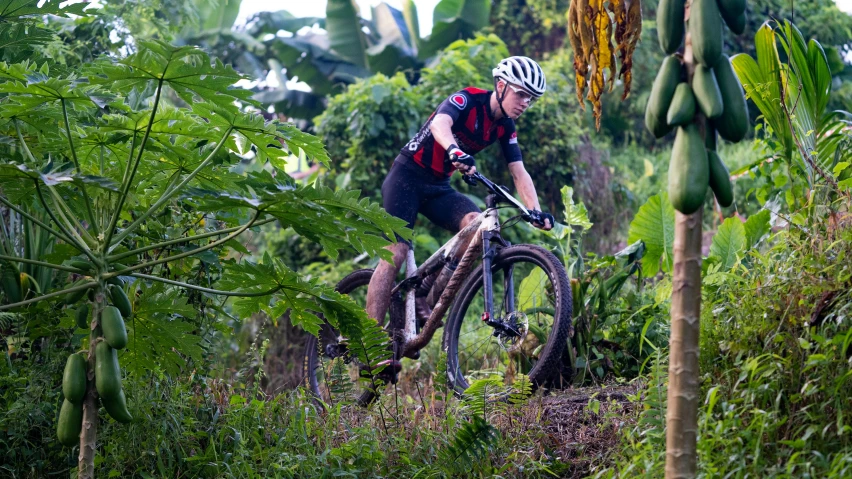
(683, 390)
(89, 434)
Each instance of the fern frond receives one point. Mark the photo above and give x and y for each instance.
(471, 442)
(482, 392)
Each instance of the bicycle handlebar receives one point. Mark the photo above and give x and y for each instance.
(530, 216)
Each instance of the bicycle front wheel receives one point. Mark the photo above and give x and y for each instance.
(532, 296)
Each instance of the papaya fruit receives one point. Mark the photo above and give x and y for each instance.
(81, 316)
(707, 93)
(74, 379)
(70, 423)
(10, 278)
(116, 281)
(682, 109)
(662, 92)
(738, 24)
(732, 125)
(710, 137)
(720, 180)
(688, 170)
(117, 407)
(705, 28)
(119, 299)
(112, 325)
(107, 372)
(82, 265)
(670, 27)
(731, 10)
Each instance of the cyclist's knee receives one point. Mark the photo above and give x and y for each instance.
(399, 251)
(468, 218)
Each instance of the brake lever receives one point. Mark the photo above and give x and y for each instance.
(469, 180)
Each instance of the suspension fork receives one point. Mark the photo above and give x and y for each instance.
(490, 240)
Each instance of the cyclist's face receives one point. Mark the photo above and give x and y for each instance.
(516, 100)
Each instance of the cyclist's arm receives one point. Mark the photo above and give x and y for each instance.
(524, 185)
(441, 128)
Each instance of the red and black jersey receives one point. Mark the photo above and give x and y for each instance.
(473, 128)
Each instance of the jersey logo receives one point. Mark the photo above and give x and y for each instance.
(513, 140)
(459, 101)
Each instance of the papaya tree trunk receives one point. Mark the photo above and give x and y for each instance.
(683, 390)
(89, 434)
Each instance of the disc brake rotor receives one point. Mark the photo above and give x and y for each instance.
(518, 322)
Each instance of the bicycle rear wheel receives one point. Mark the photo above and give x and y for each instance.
(330, 373)
(532, 292)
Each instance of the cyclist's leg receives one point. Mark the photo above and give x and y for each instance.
(400, 198)
(450, 210)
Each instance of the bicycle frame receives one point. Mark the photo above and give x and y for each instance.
(483, 233)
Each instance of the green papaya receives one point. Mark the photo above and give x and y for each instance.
(116, 281)
(707, 93)
(731, 10)
(732, 125)
(682, 109)
(705, 28)
(107, 372)
(710, 137)
(119, 300)
(10, 278)
(112, 325)
(661, 95)
(82, 265)
(82, 316)
(70, 423)
(738, 24)
(688, 170)
(670, 24)
(117, 407)
(720, 180)
(74, 379)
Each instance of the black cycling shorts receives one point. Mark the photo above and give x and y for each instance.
(410, 189)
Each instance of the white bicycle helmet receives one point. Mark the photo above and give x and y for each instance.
(522, 71)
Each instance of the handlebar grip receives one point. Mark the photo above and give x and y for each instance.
(469, 180)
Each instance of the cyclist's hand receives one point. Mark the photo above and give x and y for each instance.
(542, 220)
(461, 160)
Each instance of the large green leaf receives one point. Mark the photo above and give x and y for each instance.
(271, 22)
(454, 20)
(409, 11)
(160, 336)
(188, 70)
(729, 243)
(761, 81)
(756, 227)
(343, 23)
(220, 15)
(654, 226)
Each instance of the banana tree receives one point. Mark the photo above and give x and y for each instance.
(342, 47)
(98, 160)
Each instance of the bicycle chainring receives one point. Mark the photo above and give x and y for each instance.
(519, 324)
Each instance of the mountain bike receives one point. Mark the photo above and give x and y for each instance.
(509, 311)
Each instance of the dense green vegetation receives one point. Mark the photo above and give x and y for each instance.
(129, 111)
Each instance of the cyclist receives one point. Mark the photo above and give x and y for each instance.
(419, 179)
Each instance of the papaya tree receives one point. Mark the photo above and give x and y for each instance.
(696, 92)
(98, 160)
